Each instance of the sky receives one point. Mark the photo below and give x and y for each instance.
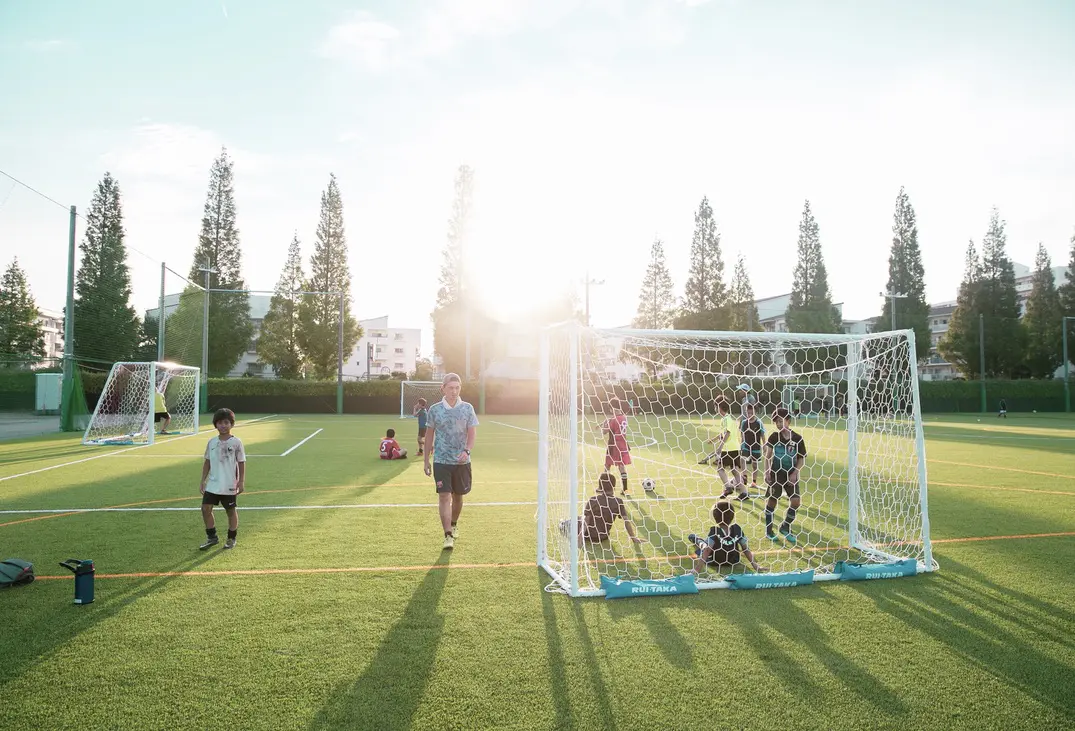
(593, 126)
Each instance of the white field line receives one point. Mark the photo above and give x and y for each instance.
(175, 456)
(345, 506)
(120, 451)
(292, 449)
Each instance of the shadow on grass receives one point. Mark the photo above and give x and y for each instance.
(389, 691)
(971, 616)
(558, 683)
(35, 628)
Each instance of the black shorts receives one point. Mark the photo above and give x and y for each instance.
(161, 416)
(729, 459)
(225, 501)
(421, 432)
(453, 478)
(781, 485)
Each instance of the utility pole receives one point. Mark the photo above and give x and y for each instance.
(588, 282)
(893, 296)
(1067, 366)
(981, 356)
(207, 270)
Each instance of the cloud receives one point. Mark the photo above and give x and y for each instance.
(45, 46)
(363, 40)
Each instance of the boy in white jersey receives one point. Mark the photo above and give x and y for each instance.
(223, 478)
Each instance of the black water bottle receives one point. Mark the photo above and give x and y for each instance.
(83, 571)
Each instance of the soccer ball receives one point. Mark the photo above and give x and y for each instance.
(648, 485)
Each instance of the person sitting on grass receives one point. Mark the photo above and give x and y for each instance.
(390, 448)
(725, 543)
(600, 514)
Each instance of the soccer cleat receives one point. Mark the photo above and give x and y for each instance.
(772, 537)
(230, 543)
(209, 543)
(704, 461)
(455, 531)
(449, 542)
(786, 532)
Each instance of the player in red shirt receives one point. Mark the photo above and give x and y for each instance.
(618, 453)
(390, 448)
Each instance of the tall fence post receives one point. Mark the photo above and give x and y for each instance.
(981, 357)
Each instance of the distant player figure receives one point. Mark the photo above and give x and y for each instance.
(1003, 409)
(752, 434)
(617, 454)
(453, 427)
(726, 453)
(390, 448)
(725, 543)
(422, 414)
(223, 478)
(160, 410)
(785, 453)
(600, 514)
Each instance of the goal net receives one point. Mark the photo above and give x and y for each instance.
(862, 485)
(809, 399)
(126, 407)
(411, 391)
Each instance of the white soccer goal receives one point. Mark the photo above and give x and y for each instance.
(125, 409)
(810, 399)
(863, 484)
(411, 391)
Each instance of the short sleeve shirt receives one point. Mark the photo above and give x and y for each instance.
(602, 511)
(159, 406)
(728, 424)
(224, 456)
(450, 425)
(786, 451)
(422, 415)
(753, 431)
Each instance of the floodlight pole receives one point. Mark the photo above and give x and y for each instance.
(1067, 367)
(892, 311)
(69, 314)
(339, 360)
(981, 356)
(204, 406)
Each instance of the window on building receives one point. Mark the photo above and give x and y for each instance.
(398, 366)
(399, 351)
(399, 336)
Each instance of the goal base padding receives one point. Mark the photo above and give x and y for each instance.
(771, 581)
(626, 588)
(863, 572)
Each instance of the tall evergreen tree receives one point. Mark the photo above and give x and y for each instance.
(743, 308)
(657, 299)
(319, 315)
(278, 341)
(906, 276)
(454, 302)
(1042, 320)
(218, 250)
(148, 336)
(21, 338)
(811, 309)
(959, 346)
(999, 302)
(106, 326)
(705, 295)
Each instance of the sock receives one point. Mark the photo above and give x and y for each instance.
(788, 517)
(447, 533)
(624, 479)
(454, 523)
(232, 534)
(768, 521)
(210, 533)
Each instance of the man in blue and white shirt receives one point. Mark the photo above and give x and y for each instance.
(450, 436)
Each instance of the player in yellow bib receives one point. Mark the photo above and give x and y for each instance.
(160, 412)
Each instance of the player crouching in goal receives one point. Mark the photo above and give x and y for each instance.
(600, 514)
(725, 543)
(390, 448)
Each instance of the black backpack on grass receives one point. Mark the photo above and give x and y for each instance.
(15, 572)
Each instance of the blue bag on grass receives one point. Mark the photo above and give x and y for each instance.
(771, 581)
(862, 572)
(624, 588)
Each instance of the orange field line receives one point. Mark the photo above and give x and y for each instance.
(518, 564)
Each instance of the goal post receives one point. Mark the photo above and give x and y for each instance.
(125, 409)
(862, 486)
(411, 391)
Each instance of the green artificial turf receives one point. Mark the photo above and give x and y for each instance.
(373, 626)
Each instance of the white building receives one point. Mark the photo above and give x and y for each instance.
(51, 323)
(383, 350)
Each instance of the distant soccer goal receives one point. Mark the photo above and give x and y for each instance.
(862, 481)
(125, 410)
(411, 391)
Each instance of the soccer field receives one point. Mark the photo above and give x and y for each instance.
(338, 609)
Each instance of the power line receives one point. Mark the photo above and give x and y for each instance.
(68, 208)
